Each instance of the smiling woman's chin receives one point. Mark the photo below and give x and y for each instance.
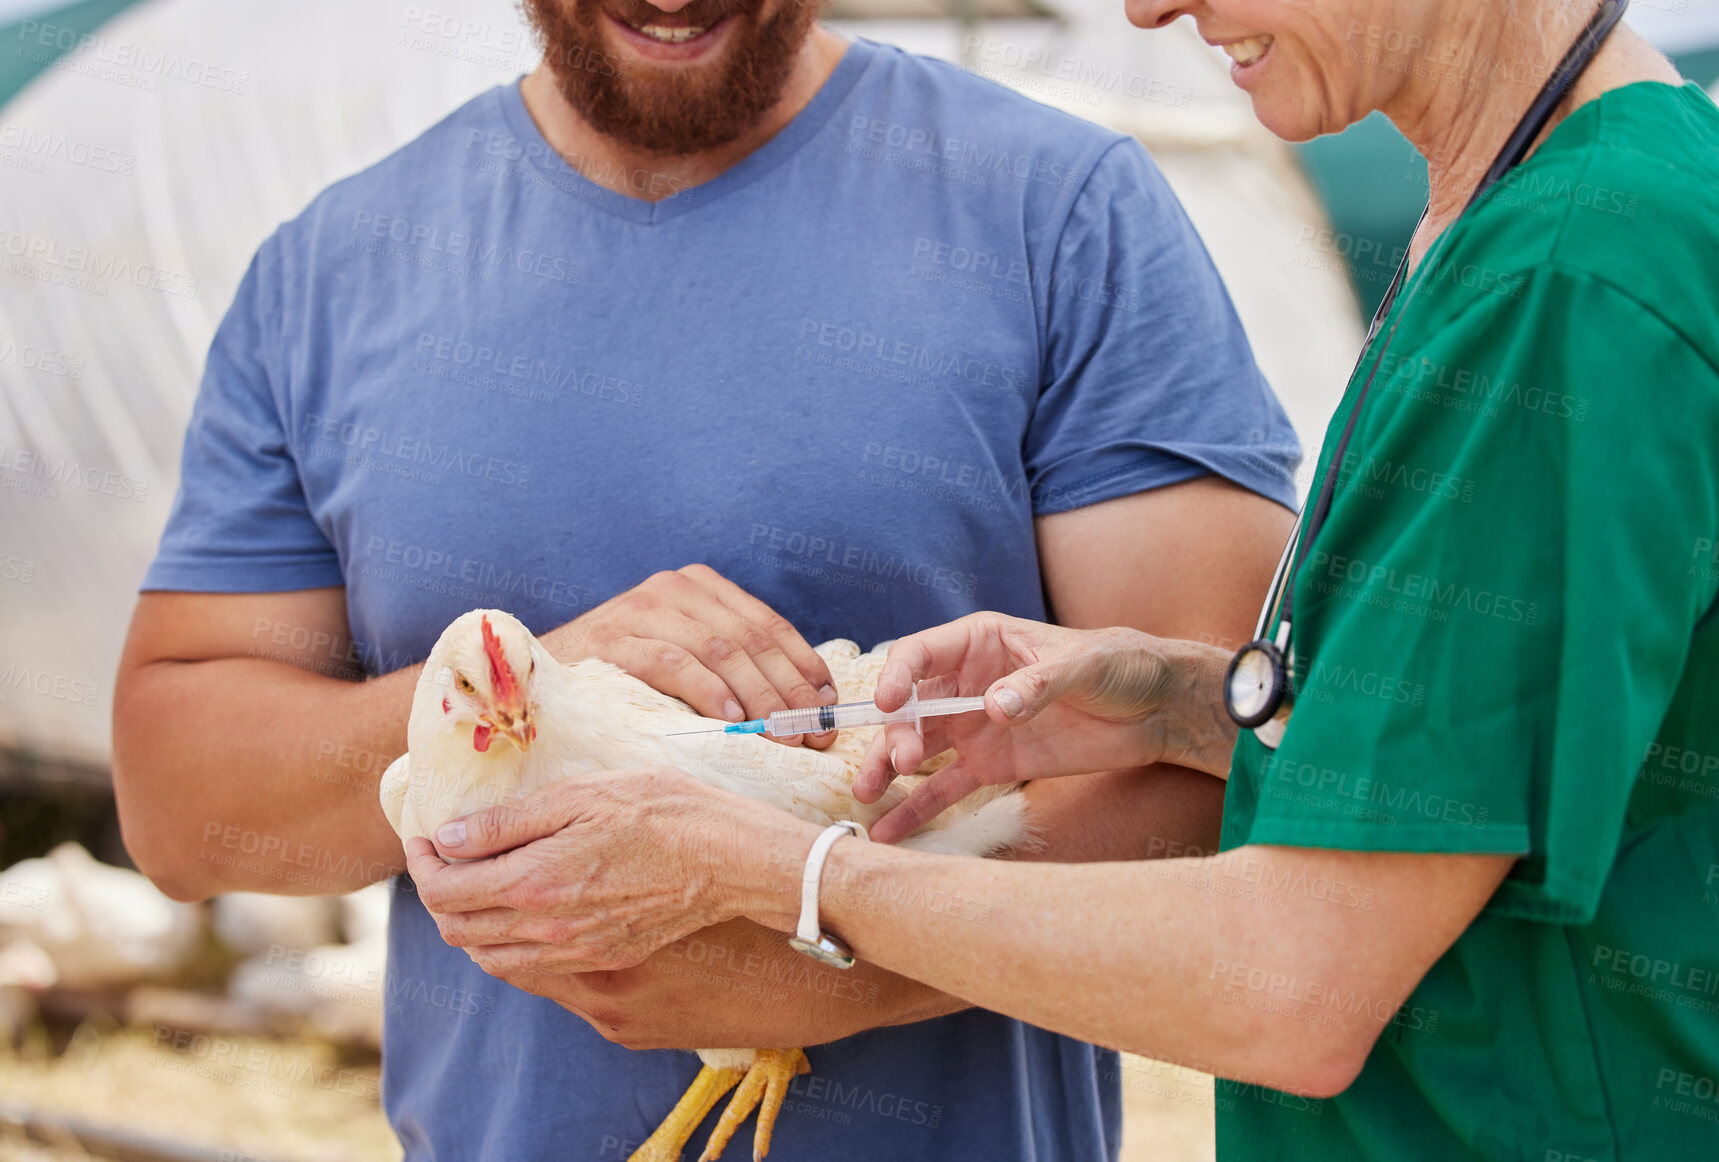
(1288, 112)
(1292, 125)
(1284, 116)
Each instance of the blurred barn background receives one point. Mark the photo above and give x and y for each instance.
(172, 136)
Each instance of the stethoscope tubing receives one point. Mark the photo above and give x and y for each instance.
(1309, 522)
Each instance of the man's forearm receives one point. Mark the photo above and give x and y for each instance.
(246, 754)
(738, 985)
(239, 774)
(1153, 812)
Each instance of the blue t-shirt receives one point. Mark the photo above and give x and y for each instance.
(846, 374)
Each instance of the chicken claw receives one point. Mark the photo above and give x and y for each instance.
(768, 1079)
(664, 1145)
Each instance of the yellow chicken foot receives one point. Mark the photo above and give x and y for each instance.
(664, 1145)
(767, 1079)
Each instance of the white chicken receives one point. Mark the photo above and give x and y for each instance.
(479, 735)
(92, 925)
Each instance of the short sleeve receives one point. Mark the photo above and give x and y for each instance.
(240, 523)
(1148, 379)
(1500, 605)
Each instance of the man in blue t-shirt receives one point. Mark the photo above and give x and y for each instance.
(873, 342)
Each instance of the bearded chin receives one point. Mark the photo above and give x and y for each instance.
(671, 111)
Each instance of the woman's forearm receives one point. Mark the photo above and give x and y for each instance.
(1196, 961)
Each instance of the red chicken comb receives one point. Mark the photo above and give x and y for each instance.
(503, 684)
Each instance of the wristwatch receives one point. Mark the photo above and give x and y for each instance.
(808, 937)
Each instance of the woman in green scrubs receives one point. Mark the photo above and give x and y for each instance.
(1469, 906)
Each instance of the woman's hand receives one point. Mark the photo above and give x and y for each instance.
(596, 872)
(1057, 702)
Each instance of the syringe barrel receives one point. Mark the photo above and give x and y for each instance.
(814, 719)
(809, 720)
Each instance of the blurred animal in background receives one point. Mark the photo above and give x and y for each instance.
(316, 959)
(69, 921)
(496, 718)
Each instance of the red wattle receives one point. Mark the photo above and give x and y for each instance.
(480, 736)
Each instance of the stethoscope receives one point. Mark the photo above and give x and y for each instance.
(1258, 686)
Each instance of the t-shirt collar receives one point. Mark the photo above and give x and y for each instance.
(806, 123)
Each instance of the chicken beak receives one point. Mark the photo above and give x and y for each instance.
(514, 723)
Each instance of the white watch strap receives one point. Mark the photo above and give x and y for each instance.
(808, 929)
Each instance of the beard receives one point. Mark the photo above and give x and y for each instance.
(671, 111)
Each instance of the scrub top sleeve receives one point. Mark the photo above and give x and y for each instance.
(1502, 600)
(1147, 375)
(240, 522)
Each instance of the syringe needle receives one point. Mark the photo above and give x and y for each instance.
(679, 733)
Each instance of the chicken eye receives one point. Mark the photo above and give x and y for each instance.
(466, 686)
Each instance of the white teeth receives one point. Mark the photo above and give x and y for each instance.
(671, 35)
(1246, 52)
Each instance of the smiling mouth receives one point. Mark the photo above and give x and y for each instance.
(670, 35)
(1249, 51)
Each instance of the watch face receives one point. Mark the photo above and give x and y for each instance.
(1254, 686)
(826, 950)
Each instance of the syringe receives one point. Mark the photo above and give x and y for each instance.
(815, 719)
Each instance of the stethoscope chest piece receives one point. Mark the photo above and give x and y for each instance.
(1258, 693)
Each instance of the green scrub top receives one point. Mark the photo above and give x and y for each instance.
(1506, 643)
